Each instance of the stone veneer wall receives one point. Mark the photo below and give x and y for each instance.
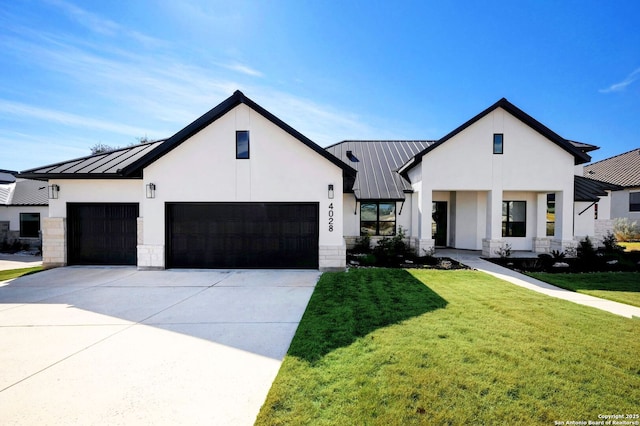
(54, 242)
(602, 228)
(332, 258)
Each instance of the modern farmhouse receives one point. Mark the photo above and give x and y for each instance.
(239, 188)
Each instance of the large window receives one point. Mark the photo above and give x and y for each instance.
(29, 225)
(514, 218)
(378, 218)
(242, 144)
(634, 201)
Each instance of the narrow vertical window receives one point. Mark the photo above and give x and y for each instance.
(514, 218)
(498, 143)
(242, 144)
(551, 215)
(634, 201)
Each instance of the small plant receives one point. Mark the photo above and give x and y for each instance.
(611, 245)
(504, 251)
(389, 249)
(558, 255)
(429, 252)
(363, 244)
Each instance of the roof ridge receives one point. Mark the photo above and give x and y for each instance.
(612, 157)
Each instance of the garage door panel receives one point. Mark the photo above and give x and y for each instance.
(242, 235)
(102, 233)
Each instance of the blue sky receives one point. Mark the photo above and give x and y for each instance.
(76, 73)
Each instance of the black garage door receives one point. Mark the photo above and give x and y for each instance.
(102, 233)
(242, 235)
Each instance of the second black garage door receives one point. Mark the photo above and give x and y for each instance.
(242, 235)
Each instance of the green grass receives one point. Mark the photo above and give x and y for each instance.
(623, 287)
(387, 347)
(630, 246)
(15, 273)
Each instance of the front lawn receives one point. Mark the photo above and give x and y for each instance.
(623, 287)
(15, 273)
(386, 347)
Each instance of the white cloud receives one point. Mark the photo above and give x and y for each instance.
(242, 69)
(619, 87)
(67, 119)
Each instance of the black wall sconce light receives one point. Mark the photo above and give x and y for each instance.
(54, 191)
(331, 191)
(151, 190)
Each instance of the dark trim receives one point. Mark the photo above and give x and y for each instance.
(212, 115)
(580, 157)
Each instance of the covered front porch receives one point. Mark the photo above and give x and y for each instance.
(488, 221)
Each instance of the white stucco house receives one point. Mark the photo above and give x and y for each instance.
(23, 205)
(239, 188)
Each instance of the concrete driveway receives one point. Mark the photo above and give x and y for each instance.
(113, 345)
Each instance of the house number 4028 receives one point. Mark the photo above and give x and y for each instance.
(331, 217)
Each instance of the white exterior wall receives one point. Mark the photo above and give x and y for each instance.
(280, 169)
(620, 204)
(584, 224)
(12, 214)
(95, 191)
(530, 164)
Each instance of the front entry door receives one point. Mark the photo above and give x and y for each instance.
(439, 224)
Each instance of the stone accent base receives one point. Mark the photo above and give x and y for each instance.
(602, 228)
(150, 257)
(424, 247)
(541, 245)
(490, 247)
(54, 242)
(332, 258)
(569, 247)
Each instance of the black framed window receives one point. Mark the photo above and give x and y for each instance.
(634, 201)
(378, 218)
(498, 143)
(514, 218)
(551, 215)
(242, 144)
(29, 225)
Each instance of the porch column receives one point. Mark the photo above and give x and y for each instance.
(426, 243)
(563, 236)
(493, 240)
(541, 243)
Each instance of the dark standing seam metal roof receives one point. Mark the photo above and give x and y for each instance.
(591, 189)
(577, 151)
(106, 165)
(622, 169)
(377, 163)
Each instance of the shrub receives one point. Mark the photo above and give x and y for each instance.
(363, 244)
(611, 245)
(626, 230)
(391, 248)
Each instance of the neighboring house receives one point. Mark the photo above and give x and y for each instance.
(239, 188)
(622, 170)
(23, 205)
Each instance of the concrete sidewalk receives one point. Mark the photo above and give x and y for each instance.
(473, 260)
(18, 261)
(113, 345)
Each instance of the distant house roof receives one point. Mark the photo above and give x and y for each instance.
(24, 192)
(622, 169)
(577, 149)
(377, 163)
(585, 189)
(105, 165)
